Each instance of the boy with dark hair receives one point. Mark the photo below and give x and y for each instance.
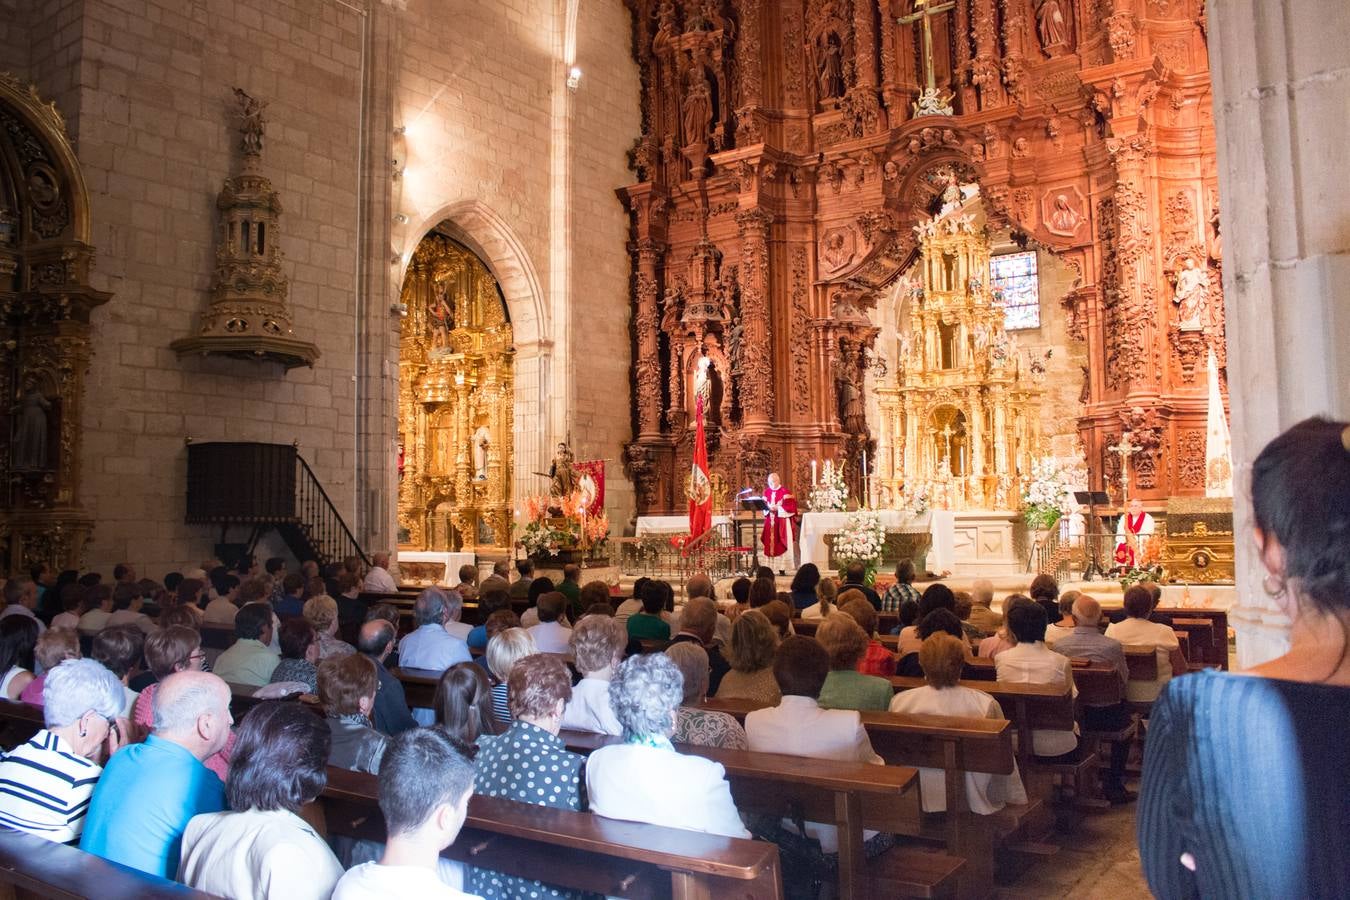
(425, 784)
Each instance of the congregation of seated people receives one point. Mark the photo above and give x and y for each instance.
(140, 759)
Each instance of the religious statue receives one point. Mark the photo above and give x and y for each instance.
(1216, 243)
(1051, 26)
(830, 78)
(735, 340)
(442, 315)
(670, 311)
(1064, 218)
(1191, 295)
(251, 122)
(481, 442)
(562, 474)
(697, 107)
(852, 413)
(703, 386)
(30, 431)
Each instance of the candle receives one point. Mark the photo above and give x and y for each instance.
(864, 474)
(813, 474)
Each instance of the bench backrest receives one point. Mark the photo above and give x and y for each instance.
(31, 866)
(1142, 663)
(1029, 705)
(597, 854)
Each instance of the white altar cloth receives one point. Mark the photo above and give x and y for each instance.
(939, 524)
(671, 524)
(449, 577)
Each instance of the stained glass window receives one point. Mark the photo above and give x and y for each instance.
(1013, 276)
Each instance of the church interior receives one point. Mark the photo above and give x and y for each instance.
(942, 297)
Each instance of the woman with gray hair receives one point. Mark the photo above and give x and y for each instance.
(46, 783)
(701, 727)
(644, 779)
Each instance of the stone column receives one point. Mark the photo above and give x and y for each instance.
(1280, 90)
(648, 347)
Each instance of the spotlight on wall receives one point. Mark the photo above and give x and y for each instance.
(399, 310)
(401, 219)
(573, 78)
(401, 130)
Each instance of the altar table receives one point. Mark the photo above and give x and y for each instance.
(449, 564)
(939, 524)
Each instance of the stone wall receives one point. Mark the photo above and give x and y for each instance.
(146, 88)
(606, 121)
(1282, 96)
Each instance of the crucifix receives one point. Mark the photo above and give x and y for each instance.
(930, 102)
(1126, 449)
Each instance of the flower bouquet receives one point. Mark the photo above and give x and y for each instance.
(831, 493)
(1045, 498)
(861, 540)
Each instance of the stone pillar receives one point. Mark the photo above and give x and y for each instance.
(1280, 94)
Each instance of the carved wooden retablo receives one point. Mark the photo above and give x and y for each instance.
(1199, 548)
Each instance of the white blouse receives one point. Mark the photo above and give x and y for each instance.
(986, 793)
(256, 854)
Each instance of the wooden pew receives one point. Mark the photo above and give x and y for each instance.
(1030, 707)
(577, 850)
(955, 745)
(32, 867)
(850, 796)
(18, 723)
(419, 685)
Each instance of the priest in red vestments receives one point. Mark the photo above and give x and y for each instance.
(780, 524)
(1132, 534)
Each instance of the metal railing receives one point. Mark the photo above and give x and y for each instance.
(661, 555)
(320, 520)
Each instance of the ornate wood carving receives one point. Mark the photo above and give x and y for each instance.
(1086, 125)
(45, 348)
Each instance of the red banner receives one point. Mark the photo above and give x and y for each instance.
(700, 486)
(591, 483)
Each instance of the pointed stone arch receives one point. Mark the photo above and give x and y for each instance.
(480, 228)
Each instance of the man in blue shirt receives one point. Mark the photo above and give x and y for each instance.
(149, 791)
(431, 646)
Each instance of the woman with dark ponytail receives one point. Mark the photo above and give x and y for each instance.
(1247, 777)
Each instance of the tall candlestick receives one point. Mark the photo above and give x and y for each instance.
(814, 482)
(864, 474)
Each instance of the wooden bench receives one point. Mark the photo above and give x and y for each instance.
(32, 867)
(577, 850)
(1030, 707)
(419, 685)
(18, 723)
(955, 745)
(850, 796)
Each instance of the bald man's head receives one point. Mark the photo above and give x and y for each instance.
(192, 709)
(376, 639)
(1086, 611)
(699, 585)
(982, 592)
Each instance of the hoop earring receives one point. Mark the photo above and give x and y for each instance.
(1275, 586)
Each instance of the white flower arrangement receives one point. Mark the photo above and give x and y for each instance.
(861, 540)
(917, 501)
(831, 493)
(1046, 497)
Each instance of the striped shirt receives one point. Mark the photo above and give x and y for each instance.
(45, 788)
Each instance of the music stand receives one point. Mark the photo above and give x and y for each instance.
(1092, 499)
(759, 506)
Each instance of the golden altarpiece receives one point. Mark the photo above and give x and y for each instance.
(455, 403)
(962, 416)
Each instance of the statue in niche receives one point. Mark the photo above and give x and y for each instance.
(30, 431)
(442, 315)
(251, 122)
(1216, 243)
(481, 442)
(735, 340)
(1051, 26)
(697, 107)
(852, 413)
(830, 77)
(562, 475)
(1191, 296)
(703, 387)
